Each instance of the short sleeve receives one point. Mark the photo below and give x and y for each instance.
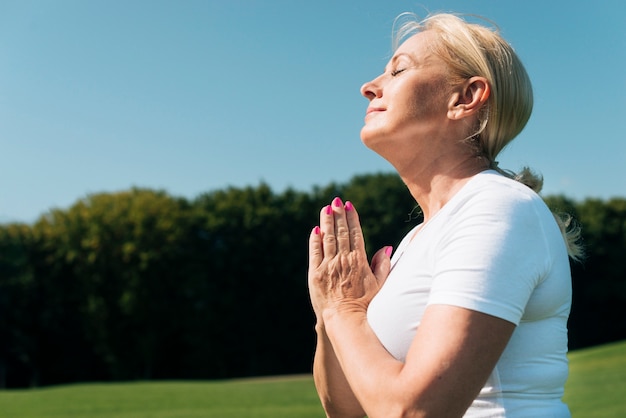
(492, 255)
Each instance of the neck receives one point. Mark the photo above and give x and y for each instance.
(432, 187)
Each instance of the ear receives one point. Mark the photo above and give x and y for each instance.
(469, 98)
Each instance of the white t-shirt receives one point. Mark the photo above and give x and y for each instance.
(495, 248)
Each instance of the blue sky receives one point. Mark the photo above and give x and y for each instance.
(192, 96)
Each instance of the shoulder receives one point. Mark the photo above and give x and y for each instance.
(490, 185)
(497, 242)
(490, 194)
(500, 215)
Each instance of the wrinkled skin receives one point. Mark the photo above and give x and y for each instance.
(340, 276)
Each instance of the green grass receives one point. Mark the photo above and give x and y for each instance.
(597, 384)
(596, 388)
(280, 397)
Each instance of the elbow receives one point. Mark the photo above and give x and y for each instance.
(341, 407)
(402, 408)
(335, 411)
(390, 411)
(410, 412)
(401, 413)
(392, 408)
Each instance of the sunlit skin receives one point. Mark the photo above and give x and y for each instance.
(407, 101)
(417, 120)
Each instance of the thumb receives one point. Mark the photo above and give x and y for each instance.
(381, 264)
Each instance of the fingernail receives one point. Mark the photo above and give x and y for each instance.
(329, 210)
(348, 206)
(388, 251)
(337, 202)
(316, 230)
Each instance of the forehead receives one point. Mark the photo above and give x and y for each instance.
(417, 46)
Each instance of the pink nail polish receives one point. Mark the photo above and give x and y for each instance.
(348, 206)
(337, 202)
(388, 251)
(316, 230)
(329, 210)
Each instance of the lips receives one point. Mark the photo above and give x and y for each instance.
(374, 109)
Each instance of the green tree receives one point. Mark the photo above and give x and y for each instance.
(124, 254)
(16, 320)
(139, 284)
(256, 279)
(599, 303)
(386, 208)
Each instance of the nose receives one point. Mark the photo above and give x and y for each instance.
(371, 89)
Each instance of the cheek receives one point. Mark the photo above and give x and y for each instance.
(427, 100)
(412, 108)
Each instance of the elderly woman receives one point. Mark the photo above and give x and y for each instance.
(469, 316)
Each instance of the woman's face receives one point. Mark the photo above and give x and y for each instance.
(408, 102)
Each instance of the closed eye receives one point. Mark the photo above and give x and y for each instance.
(396, 72)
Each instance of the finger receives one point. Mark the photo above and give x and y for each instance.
(355, 232)
(381, 264)
(327, 227)
(316, 251)
(341, 226)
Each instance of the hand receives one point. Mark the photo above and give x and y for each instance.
(340, 277)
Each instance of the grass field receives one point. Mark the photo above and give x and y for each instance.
(596, 388)
(291, 396)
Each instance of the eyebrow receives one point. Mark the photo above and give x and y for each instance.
(397, 57)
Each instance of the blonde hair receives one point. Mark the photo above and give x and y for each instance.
(470, 49)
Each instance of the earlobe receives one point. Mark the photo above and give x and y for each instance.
(469, 98)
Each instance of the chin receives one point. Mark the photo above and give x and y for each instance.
(372, 145)
(370, 139)
(366, 142)
(367, 138)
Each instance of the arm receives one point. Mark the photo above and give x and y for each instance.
(335, 393)
(451, 357)
(452, 354)
(332, 387)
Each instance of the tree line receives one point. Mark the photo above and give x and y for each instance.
(143, 285)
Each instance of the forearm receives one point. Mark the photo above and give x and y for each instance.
(449, 361)
(334, 391)
(370, 371)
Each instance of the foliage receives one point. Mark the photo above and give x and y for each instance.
(141, 285)
(386, 209)
(17, 286)
(599, 282)
(255, 302)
